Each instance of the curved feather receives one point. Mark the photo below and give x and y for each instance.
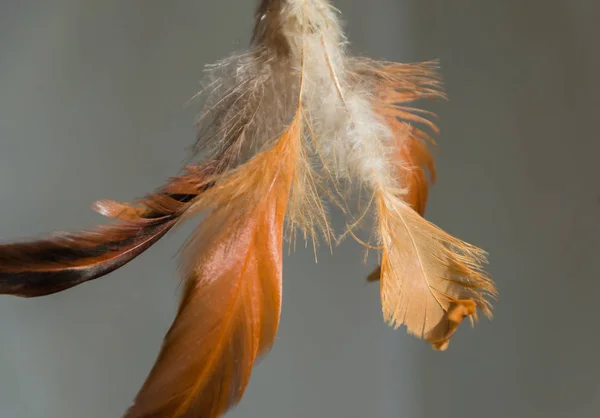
(64, 260)
(397, 85)
(230, 308)
(430, 280)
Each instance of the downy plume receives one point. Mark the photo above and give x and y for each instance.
(285, 125)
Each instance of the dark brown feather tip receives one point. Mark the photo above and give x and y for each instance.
(47, 266)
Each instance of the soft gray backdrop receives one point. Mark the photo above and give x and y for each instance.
(92, 98)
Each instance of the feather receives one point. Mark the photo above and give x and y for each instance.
(430, 281)
(397, 85)
(284, 124)
(65, 260)
(427, 276)
(229, 312)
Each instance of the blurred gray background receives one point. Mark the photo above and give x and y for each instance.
(92, 97)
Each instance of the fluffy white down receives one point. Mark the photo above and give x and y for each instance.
(350, 137)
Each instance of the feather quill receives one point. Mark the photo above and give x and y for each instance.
(284, 126)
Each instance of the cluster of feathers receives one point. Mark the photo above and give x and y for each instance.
(293, 123)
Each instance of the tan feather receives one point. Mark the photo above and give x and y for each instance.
(411, 159)
(396, 85)
(430, 280)
(230, 308)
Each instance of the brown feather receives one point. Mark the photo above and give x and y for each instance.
(46, 266)
(230, 307)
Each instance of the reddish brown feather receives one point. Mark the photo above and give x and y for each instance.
(413, 160)
(51, 265)
(55, 264)
(230, 307)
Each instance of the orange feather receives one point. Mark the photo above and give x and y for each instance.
(230, 308)
(412, 160)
